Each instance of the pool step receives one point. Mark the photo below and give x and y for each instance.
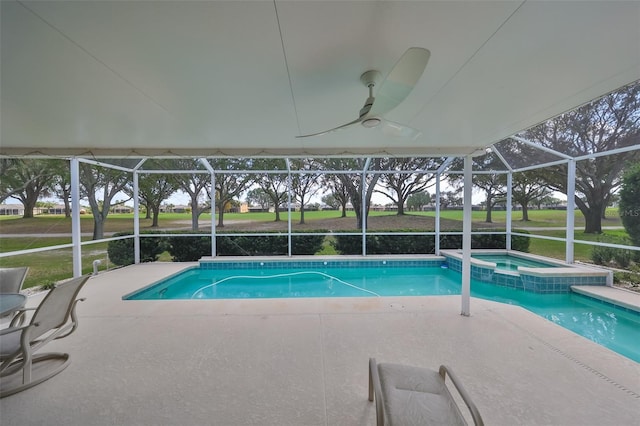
(624, 298)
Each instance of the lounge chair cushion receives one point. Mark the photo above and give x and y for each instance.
(417, 396)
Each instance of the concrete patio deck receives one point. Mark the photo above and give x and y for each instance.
(304, 361)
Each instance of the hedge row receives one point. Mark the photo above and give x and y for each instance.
(188, 249)
(422, 244)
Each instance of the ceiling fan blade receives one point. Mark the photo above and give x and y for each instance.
(335, 128)
(391, 128)
(401, 80)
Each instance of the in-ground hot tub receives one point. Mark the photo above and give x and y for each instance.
(527, 271)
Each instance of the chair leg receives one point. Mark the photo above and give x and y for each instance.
(370, 383)
(10, 385)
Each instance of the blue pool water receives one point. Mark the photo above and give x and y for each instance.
(612, 327)
(505, 261)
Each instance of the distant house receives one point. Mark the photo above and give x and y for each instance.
(11, 210)
(122, 209)
(170, 208)
(57, 209)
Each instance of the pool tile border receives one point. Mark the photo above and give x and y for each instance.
(433, 262)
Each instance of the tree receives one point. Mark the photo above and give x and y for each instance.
(527, 187)
(608, 123)
(418, 200)
(257, 196)
(229, 185)
(355, 185)
(61, 184)
(339, 192)
(331, 201)
(273, 184)
(9, 181)
(492, 184)
(450, 199)
(629, 207)
(28, 181)
(407, 178)
(303, 186)
(193, 184)
(100, 185)
(494, 189)
(154, 188)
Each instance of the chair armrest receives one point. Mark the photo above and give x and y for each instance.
(10, 329)
(475, 414)
(74, 319)
(20, 316)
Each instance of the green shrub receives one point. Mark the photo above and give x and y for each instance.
(347, 244)
(307, 244)
(189, 249)
(629, 207)
(121, 252)
(622, 258)
(487, 241)
(48, 285)
(601, 255)
(421, 244)
(606, 255)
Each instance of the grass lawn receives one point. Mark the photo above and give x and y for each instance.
(537, 218)
(54, 265)
(582, 252)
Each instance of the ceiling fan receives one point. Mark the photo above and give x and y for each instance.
(393, 90)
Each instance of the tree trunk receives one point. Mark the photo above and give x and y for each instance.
(489, 208)
(400, 207)
(29, 204)
(593, 221)
(194, 215)
(344, 210)
(301, 214)
(277, 210)
(156, 213)
(592, 216)
(67, 207)
(98, 227)
(220, 214)
(525, 212)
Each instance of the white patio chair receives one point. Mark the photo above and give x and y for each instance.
(55, 318)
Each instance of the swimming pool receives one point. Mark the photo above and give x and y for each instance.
(615, 328)
(200, 283)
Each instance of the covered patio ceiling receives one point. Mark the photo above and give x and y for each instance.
(209, 78)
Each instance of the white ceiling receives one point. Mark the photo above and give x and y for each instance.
(118, 78)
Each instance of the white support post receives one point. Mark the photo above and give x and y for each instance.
(437, 223)
(509, 209)
(363, 206)
(363, 209)
(571, 207)
(76, 235)
(212, 194)
(466, 237)
(136, 218)
(289, 252)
